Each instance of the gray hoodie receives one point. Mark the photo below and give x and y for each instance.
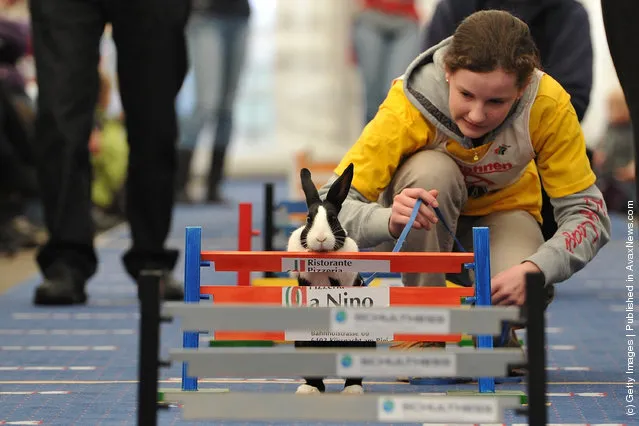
(584, 225)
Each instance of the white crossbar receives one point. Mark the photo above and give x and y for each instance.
(420, 320)
(343, 362)
(282, 407)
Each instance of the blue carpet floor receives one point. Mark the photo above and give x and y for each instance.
(78, 366)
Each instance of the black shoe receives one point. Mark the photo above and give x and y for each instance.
(172, 290)
(217, 201)
(182, 197)
(62, 287)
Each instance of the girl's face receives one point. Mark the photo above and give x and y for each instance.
(479, 102)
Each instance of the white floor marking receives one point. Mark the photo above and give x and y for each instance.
(36, 393)
(58, 348)
(47, 368)
(568, 368)
(21, 422)
(77, 316)
(549, 330)
(66, 332)
(558, 347)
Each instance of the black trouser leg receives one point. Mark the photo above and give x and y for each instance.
(622, 33)
(152, 64)
(183, 173)
(318, 381)
(66, 36)
(216, 174)
(221, 143)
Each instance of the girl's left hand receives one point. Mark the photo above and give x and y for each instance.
(509, 286)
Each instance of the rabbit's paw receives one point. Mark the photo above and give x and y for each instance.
(305, 389)
(353, 390)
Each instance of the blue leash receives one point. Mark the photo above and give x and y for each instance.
(407, 228)
(404, 234)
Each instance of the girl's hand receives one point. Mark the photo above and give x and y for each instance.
(509, 286)
(403, 205)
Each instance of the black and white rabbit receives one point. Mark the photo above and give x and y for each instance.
(324, 233)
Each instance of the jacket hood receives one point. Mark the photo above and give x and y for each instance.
(425, 86)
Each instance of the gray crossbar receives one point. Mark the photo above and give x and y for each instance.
(341, 362)
(419, 320)
(282, 407)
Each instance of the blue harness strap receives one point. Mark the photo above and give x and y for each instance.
(452, 234)
(407, 228)
(400, 240)
(404, 234)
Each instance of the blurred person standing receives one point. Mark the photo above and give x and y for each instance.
(152, 63)
(385, 40)
(14, 48)
(613, 158)
(20, 224)
(561, 31)
(622, 32)
(217, 35)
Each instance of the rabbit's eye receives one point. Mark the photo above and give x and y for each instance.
(308, 220)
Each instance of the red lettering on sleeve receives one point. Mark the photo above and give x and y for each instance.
(577, 237)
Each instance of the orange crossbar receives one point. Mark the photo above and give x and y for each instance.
(399, 296)
(272, 261)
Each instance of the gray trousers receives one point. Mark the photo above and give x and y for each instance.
(514, 235)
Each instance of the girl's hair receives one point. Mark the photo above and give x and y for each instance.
(491, 39)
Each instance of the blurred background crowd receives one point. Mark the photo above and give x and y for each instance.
(268, 79)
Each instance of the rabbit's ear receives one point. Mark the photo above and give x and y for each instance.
(339, 189)
(310, 191)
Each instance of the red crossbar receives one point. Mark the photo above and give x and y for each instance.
(277, 261)
(399, 296)
(244, 239)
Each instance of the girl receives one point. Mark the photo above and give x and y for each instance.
(460, 130)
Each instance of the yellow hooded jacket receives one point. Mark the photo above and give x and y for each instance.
(541, 137)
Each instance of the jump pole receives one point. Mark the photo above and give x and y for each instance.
(245, 238)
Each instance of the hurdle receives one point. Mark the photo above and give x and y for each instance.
(290, 209)
(195, 259)
(245, 238)
(382, 408)
(296, 208)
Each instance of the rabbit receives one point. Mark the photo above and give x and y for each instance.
(324, 233)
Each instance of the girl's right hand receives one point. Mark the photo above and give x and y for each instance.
(403, 205)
